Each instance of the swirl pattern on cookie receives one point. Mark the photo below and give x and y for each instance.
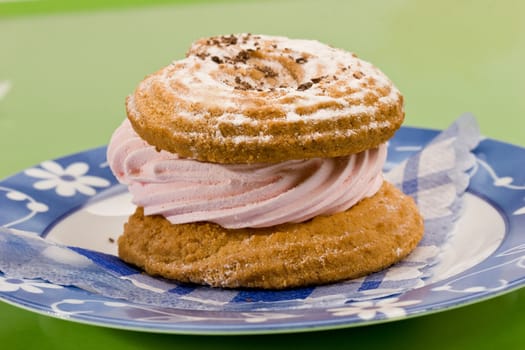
(252, 99)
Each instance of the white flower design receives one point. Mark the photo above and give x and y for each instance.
(66, 182)
(30, 203)
(367, 310)
(31, 286)
(498, 181)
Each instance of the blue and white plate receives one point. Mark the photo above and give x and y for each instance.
(76, 201)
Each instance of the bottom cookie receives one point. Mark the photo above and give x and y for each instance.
(372, 235)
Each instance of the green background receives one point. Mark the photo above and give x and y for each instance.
(70, 65)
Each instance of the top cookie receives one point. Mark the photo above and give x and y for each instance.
(261, 99)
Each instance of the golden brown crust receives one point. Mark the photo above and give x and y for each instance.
(248, 99)
(374, 234)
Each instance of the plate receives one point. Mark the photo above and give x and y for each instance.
(75, 200)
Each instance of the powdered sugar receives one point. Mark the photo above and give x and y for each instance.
(232, 74)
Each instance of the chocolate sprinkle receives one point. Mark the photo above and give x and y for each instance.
(268, 72)
(305, 86)
(202, 55)
(242, 56)
(301, 60)
(358, 75)
(216, 59)
(242, 85)
(229, 40)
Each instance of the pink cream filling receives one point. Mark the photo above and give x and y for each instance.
(241, 195)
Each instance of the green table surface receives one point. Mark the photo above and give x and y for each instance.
(66, 67)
